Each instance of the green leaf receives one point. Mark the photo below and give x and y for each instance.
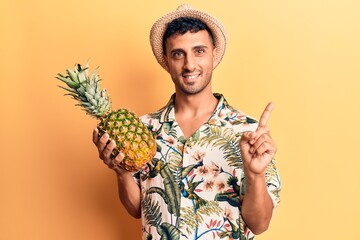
(152, 213)
(182, 139)
(72, 75)
(167, 127)
(250, 120)
(168, 232)
(171, 189)
(195, 136)
(230, 197)
(163, 194)
(68, 82)
(227, 140)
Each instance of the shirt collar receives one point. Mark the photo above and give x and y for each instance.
(219, 115)
(168, 113)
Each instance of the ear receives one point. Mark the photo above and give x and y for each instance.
(214, 55)
(166, 63)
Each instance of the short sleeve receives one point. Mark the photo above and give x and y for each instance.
(136, 177)
(273, 183)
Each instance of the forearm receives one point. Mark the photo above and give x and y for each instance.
(257, 205)
(129, 193)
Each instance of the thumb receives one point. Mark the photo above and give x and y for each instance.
(245, 141)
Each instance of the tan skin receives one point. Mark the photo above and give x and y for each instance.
(190, 59)
(257, 150)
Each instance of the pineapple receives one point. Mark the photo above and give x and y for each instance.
(132, 137)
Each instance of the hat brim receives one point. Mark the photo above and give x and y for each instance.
(159, 28)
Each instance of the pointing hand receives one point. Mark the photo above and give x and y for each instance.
(258, 148)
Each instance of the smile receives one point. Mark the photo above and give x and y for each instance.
(191, 77)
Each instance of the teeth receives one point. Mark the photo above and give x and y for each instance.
(191, 76)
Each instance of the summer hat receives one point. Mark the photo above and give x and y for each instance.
(184, 10)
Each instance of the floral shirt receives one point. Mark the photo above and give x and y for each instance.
(193, 188)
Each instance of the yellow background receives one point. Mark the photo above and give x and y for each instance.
(303, 55)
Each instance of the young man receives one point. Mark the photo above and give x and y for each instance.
(213, 176)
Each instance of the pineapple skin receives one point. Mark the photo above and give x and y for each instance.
(132, 138)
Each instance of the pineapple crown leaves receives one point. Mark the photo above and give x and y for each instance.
(86, 90)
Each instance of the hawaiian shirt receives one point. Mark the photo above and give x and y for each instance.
(193, 188)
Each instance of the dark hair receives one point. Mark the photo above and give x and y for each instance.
(183, 25)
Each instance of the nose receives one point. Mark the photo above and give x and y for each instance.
(189, 63)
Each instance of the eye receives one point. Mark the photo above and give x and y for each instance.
(200, 51)
(177, 54)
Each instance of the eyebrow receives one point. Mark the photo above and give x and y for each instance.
(194, 48)
(200, 46)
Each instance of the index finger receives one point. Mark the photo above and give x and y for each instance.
(266, 114)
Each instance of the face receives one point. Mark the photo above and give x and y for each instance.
(189, 60)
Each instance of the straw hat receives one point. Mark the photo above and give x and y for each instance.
(184, 10)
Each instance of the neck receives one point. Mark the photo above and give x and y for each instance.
(195, 105)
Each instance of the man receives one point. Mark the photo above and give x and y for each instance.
(213, 176)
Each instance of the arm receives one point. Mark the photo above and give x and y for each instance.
(257, 205)
(257, 149)
(129, 191)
